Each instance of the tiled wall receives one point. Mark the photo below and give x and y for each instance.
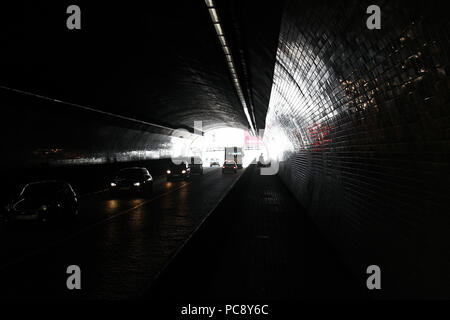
(360, 120)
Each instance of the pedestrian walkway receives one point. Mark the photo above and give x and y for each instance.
(258, 244)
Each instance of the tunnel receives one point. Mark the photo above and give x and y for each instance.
(353, 121)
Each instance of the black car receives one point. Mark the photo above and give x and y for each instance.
(178, 171)
(43, 201)
(229, 167)
(132, 180)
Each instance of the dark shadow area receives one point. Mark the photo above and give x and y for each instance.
(257, 244)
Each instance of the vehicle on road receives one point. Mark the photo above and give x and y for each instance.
(196, 165)
(132, 180)
(43, 201)
(234, 154)
(214, 163)
(229, 166)
(178, 170)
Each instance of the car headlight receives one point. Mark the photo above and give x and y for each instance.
(113, 184)
(168, 171)
(136, 184)
(43, 208)
(183, 171)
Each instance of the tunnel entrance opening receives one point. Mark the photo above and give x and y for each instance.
(227, 143)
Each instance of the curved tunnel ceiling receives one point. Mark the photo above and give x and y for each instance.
(157, 62)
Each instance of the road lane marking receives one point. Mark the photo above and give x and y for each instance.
(156, 180)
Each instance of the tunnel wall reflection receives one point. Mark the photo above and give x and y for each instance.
(363, 120)
(38, 132)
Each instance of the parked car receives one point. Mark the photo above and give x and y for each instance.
(43, 201)
(178, 171)
(229, 166)
(132, 180)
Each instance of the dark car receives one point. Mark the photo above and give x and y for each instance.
(43, 201)
(132, 180)
(229, 167)
(178, 171)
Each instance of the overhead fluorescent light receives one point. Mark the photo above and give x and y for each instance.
(213, 14)
(226, 50)
(222, 40)
(218, 29)
(229, 58)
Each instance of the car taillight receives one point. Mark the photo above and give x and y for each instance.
(235, 167)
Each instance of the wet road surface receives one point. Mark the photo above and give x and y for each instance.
(120, 244)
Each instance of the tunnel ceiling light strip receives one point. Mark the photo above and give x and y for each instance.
(219, 31)
(213, 14)
(223, 42)
(91, 109)
(226, 50)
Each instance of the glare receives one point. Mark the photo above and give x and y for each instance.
(226, 50)
(112, 204)
(222, 137)
(211, 146)
(294, 118)
(219, 30)
(223, 42)
(213, 14)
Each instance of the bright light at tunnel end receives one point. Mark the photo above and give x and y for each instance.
(214, 144)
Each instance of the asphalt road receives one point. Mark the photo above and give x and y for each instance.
(120, 244)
